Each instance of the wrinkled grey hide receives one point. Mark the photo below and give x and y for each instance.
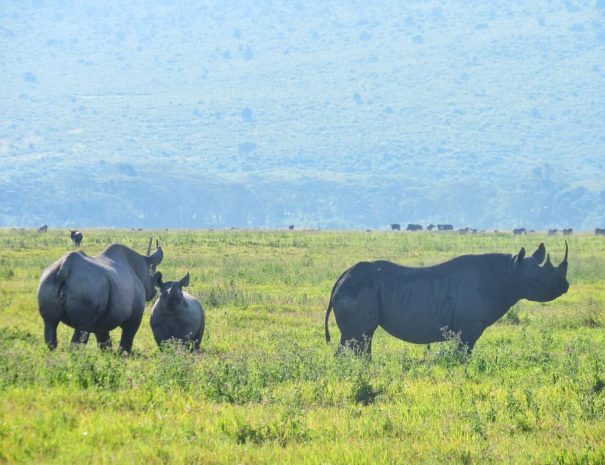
(177, 315)
(97, 294)
(420, 305)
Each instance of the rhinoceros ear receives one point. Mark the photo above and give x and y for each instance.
(157, 280)
(185, 281)
(521, 255)
(156, 258)
(540, 253)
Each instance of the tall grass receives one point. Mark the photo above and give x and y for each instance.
(266, 387)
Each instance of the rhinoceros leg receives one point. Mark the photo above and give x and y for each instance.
(470, 334)
(80, 337)
(103, 340)
(357, 318)
(50, 334)
(129, 329)
(197, 339)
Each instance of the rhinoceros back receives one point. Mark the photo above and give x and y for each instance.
(74, 290)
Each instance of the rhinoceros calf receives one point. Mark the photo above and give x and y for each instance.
(177, 315)
(422, 305)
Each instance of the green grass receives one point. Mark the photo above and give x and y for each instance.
(268, 389)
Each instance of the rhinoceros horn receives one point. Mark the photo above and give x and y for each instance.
(562, 268)
(149, 246)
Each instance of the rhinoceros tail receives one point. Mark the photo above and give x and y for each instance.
(330, 305)
(327, 320)
(61, 278)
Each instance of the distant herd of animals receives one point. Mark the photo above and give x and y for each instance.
(77, 236)
(460, 297)
(412, 227)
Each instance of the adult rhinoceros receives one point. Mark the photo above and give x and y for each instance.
(97, 294)
(422, 305)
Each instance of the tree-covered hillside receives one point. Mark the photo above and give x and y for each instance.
(322, 114)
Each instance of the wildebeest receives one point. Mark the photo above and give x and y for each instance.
(97, 294)
(76, 237)
(414, 227)
(43, 228)
(467, 230)
(568, 232)
(519, 231)
(430, 227)
(553, 232)
(445, 227)
(395, 227)
(291, 227)
(599, 232)
(176, 314)
(422, 305)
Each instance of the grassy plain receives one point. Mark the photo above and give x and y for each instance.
(268, 389)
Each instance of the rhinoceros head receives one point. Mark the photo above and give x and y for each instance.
(538, 280)
(172, 291)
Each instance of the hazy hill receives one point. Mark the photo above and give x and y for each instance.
(326, 113)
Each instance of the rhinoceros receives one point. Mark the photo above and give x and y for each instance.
(97, 294)
(422, 305)
(176, 314)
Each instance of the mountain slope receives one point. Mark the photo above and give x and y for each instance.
(330, 114)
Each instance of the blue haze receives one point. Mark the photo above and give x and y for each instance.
(331, 114)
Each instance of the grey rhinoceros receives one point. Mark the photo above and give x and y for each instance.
(176, 314)
(97, 294)
(422, 305)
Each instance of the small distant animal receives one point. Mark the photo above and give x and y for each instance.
(368, 230)
(422, 305)
(291, 227)
(430, 227)
(553, 232)
(519, 231)
(445, 227)
(177, 315)
(43, 228)
(395, 227)
(97, 294)
(467, 230)
(568, 232)
(76, 237)
(599, 232)
(414, 227)
(139, 229)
